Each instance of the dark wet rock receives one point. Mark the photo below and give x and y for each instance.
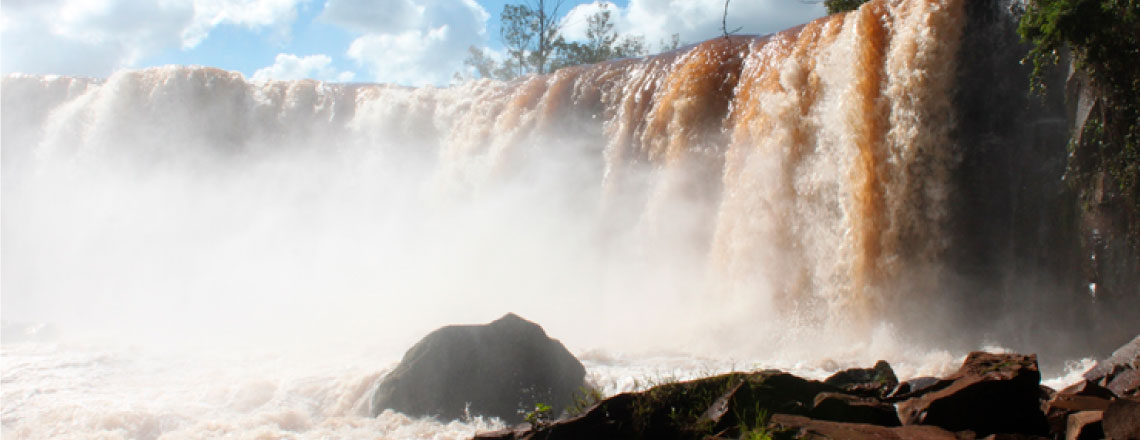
(1126, 383)
(1081, 396)
(876, 381)
(1086, 388)
(1059, 409)
(715, 406)
(603, 421)
(1123, 359)
(992, 396)
(838, 407)
(493, 370)
(1122, 420)
(990, 393)
(786, 427)
(1084, 425)
(912, 388)
(1078, 403)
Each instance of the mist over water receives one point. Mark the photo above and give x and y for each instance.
(220, 256)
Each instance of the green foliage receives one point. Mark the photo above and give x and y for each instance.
(679, 406)
(540, 417)
(1103, 37)
(584, 398)
(1103, 34)
(756, 427)
(837, 6)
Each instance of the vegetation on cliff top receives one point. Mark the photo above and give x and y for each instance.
(531, 33)
(837, 6)
(1104, 39)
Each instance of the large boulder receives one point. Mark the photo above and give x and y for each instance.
(1081, 397)
(499, 370)
(877, 381)
(1119, 373)
(689, 410)
(1085, 425)
(839, 407)
(990, 394)
(1122, 420)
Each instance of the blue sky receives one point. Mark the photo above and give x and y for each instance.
(412, 42)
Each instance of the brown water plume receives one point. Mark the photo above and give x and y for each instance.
(810, 166)
(803, 174)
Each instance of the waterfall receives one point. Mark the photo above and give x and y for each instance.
(878, 184)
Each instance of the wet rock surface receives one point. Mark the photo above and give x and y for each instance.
(497, 370)
(990, 393)
(992, 396)
(877, 381)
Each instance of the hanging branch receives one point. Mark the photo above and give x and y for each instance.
(724, 22)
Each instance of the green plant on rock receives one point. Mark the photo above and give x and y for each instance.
(756, 427)
(540, 417)
(584, 398)
(678, 407)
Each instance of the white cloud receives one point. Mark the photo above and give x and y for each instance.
(87, 37)
(252, 14)
(421, 43)
(96, 37)
(694, 20)
(375, 16)
(574, 23)
(291, 67)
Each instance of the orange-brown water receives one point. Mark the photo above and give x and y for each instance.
(812, 164)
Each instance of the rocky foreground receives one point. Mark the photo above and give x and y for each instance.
(496, 368)
(993, 396)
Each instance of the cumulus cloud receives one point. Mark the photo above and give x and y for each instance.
(95, 37)
(693, 20)
(290, 67)
(419, 43)
(252, 14)
(87, 37)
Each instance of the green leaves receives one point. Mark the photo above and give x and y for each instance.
(837, 6)
(540, 416)
(1104, 39)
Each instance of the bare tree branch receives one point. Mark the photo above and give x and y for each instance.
(724, 22)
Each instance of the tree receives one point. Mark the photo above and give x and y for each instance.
(516, 30)
(837, 6)
(724, 22)
(531, 35)
(545, 26)
(602, 43)
(486, 67)
(672, 43)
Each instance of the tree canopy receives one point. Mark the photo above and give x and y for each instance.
(837, 6)
(532, 37)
